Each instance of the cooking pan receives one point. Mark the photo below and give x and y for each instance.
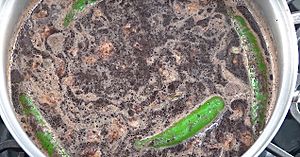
(278, 18)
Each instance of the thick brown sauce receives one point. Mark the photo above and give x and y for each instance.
(124, 70)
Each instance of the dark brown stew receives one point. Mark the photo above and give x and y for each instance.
(121, 70)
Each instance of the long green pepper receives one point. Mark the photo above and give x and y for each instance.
(44, 136)
(186, 127)
(257, 72)
(77, 6)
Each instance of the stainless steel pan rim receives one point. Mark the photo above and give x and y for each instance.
(9, 17)
(282, 25)
(280, 22)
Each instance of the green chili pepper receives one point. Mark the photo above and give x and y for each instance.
(30, 109)
(45, 139)
(77, 6)
(186, 127)
(257, 72)
(44, 136)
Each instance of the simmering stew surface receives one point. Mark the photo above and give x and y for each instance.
(92, 77)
